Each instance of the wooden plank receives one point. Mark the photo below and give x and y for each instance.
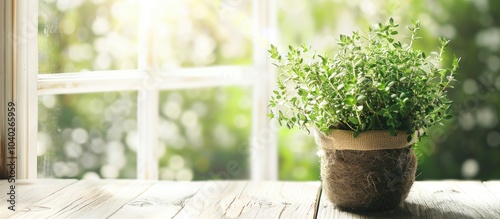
(29, 192)
(453, 199)
(86, 199)
(162, 200)
(234, 199)
(243, 199)
(433, 199)
(494, 188)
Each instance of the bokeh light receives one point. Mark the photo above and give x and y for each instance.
(76, 140)
(202, 130)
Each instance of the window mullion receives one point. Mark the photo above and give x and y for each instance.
(118, 80)
(30, 85)
(263, 151)
(147, 99)
(147, 120)
(85, 82)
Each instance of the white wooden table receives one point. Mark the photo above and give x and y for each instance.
(59, 198)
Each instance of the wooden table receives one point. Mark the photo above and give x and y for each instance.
(57, 198)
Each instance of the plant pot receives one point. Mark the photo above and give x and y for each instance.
(373, 172)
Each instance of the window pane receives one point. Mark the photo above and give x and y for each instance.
(321, 21)
(298, 159)
(202, 33)
(76, 36)
(87, 135)
(204, 133)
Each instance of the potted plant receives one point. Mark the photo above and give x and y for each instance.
(368, 104)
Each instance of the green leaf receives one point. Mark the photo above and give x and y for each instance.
(361, 98)
(356, 134)
(394, 108)
(381, 87)
(392, 131)
(353, 120)
(408, 139)
(349, 100)
(373, 122)
(382, 112)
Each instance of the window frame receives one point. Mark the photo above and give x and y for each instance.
(19, 49)
(23, 84)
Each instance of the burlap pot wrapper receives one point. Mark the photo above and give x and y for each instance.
(365, 141)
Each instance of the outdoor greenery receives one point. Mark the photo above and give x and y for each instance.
(373, 82)
(94, 134)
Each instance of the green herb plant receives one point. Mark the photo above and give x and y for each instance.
(373, 82)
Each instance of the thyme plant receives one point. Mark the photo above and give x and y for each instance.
(373, 82)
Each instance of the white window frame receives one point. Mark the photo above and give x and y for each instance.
(23, 84)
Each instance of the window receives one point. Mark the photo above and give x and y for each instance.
(128, 64)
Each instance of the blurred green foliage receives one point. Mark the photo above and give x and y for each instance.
(468, 147)
(94, 135)
(207, 130)
(87, 135)
(76, 36)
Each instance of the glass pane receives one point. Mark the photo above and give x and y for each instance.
(298, 158)
(205, 133)
(76, 36)
(87, 135)
(202, 33)
(321, 21)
